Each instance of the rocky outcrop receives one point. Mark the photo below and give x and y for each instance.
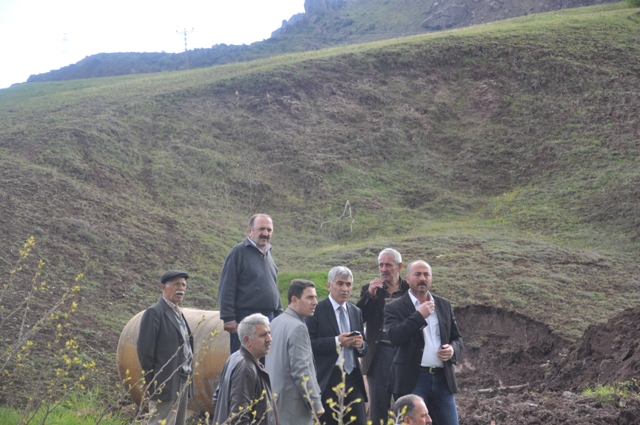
(445, 14)
(449, 17)
(320, 7)
(295, 18)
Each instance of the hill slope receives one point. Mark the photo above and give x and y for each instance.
(506, 155)
(325, 23)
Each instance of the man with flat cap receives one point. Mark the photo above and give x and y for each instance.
(165, 351)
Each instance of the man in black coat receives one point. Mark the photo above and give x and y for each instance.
(165, 351)
(424, 330)
(336, 340)
(376, 364)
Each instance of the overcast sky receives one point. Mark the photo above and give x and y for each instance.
(37, 36)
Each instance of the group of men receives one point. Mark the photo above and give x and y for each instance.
(305, 364)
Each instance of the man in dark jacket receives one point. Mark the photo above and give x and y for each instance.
(335, 331)
(165, 351)
(248, 281)
(424, 330)
(244, 394)
(376, 364)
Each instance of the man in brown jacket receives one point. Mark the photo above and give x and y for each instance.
(244, 394)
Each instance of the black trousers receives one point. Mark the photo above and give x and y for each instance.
(357, 410)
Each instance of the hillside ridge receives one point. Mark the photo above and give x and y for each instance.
(324, 23)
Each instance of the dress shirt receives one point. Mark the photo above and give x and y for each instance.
(335, 306)
(431, 334)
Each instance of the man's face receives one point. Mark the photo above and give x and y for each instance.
(260, 345)
(419, 278)
(261, 231)
(420, 416)
(174, 289)
(340, 289)
(389, 269)
(306, 305)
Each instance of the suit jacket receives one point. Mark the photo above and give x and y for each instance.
(404, 324)
(373, 315)
(323, 329)
(158, 342)
(291, 370)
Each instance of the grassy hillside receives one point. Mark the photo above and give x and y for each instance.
(506, 155)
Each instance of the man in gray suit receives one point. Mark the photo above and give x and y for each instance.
(165, 351)
(290, 361)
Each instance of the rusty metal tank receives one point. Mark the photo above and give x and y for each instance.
(211, 348)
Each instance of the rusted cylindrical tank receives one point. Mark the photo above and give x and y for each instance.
(211, 348)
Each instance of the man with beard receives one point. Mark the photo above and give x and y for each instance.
(165, 352)
(244, 394)
(424, 330)
(248, 279)
(376, 364)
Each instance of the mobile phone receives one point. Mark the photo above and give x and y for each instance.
(355, 333)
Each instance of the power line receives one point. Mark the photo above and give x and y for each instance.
(185, 33)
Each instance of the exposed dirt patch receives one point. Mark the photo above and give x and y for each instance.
(605, 354)
(515, 370)
(504, 348)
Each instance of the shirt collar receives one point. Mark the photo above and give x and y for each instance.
(335, 304)
(414, 300)
(256, 246)
(173, 306)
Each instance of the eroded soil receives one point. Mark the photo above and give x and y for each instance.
(517, 371)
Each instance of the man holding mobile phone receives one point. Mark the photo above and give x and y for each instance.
(336, 340)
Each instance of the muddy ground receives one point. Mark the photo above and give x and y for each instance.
(517, 371)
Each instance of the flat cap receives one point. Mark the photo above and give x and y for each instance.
(173, 274)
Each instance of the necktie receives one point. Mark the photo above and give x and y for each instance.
(348, 351)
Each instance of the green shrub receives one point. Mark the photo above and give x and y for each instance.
(614, 394)
(634, 3)
(285, 278)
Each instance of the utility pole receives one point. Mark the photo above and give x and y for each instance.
(186, 52)
(64, 40)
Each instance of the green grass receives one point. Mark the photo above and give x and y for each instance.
(285, 278)
(613, 395)
(79, 409)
